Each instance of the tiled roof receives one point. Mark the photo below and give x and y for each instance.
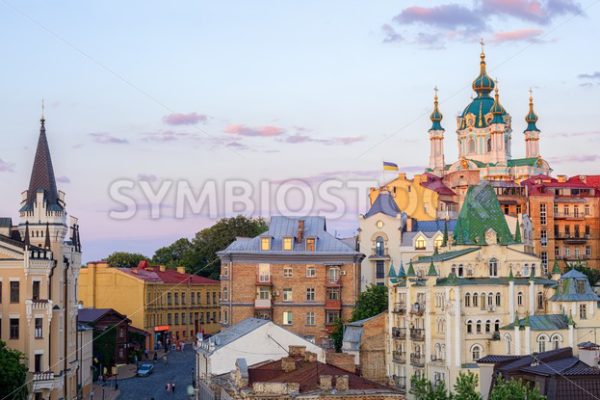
(436, 184)
(280, 227)
(153, 274)
(434, 226)
(384, 204)
(546, 356)
(569, 286)
(547, 322)
(90, 315)
(479, 213)
(493, 359)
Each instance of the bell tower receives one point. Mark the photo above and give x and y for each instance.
(436, 139)
(532, 133)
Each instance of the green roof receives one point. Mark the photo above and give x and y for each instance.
(479, 213)
(454, 281)
(401, 272)
(556, 268)
(519, 162)
(411, 269)
(432, 271)
(546, 322)
(448, 255)
(392, 273)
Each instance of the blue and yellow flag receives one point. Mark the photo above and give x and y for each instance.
(390, 166)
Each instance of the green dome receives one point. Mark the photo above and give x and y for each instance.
(483, 84)
(531, 118)
(479, 107)
(497, 110)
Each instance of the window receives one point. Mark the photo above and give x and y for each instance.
(587, 231)
(497, 326)
(556, 251)
(438, 241)
(379, 246)
(169, 319)
(225, 294)
(333, 275)
(264, 293)
(468, 300)
(489, 145)
(476, 352)
(420, 243)
(379, 269)
(471, 146)
(310, 294)
(478, 327)
(586, 209)
(543, 214)
(225, 319)
(225, 270)
(39, 332)
(176, 322)
(475, 300)
(469, 326)
(14, 328)
(543, 237)
(498, 300)
(576, 211)
(556, 339)
(311, 272)
(493, 267)
(580, 287)
(544, 256)
(183, 299)
(288, 243)
(488, 326)
(588, 251)
(566, 210)
(265, 243)
(287, 272)
(333, 294)
(331, 317)
(0, 292)
(14, 292)
(310, 244)
(520, 298)
(264, 272)
(207, 298)
(35, 290)
(193, 297)
(540, 301)
(183, 319)
(169, 299)
(214, 316)
(519, 209)
(583, 311)
(542, 339)
(176, 297)
(567, 251)
(38, 363)
(526, 270)
(310, 318)
(287, 294)
(287, 318)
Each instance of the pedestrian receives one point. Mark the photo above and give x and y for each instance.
(155, 357)
(173, 387)
(146, 354)
(168, 387)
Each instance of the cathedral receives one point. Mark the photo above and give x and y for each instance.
(484, 135)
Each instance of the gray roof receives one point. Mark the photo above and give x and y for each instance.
(569, 285)
(5, 222)
(385, 204)
(236, 331)
(281, 227)
(90, 315)
(352, 337)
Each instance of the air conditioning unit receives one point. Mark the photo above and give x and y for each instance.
(343, 273)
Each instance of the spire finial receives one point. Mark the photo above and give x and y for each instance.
(43, 118)
(482, 43)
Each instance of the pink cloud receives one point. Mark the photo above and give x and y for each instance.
(264, 131)
(531, 10)
(184, 119)
(107, 138)
(6, 166)
(447, 16)
(529, 35)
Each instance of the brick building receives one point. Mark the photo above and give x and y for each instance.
(296, 274)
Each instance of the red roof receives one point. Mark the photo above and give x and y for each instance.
(153, 274)
(436, 184)
(307, 375)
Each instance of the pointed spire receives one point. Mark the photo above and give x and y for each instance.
(555, 267)
(26, 238)
(518, 232)
(531, 118)
(436, 116)
(445, 238)
(527, 322)
(510, 275)
(78, 239)
(483, 84)
(497, 110)
(42, 174)
(47, 239)
(411, 269)
(432, 271)
(392, 272)
(570, 321)
(401, 272)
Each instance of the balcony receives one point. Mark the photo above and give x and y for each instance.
(417, 309)
(417, 334)
(333, 283)
(417, 360)
(571, 217)
(379, 255)
(400, 383)
(399, 333)
(264, 280)
(43, 380)
(399, 357)
(399, 307)
(333, 304)
(438, 360)
(262, 303)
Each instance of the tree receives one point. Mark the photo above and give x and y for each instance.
(13, 374)
(199, 256)
(465, 387)
(123, 259)
(371, 302)
(514, 389)
(592, 274)
(424, 390)
(337, 335)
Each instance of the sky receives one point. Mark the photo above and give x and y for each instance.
(198, 91)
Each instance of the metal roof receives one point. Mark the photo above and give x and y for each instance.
(385, 204)
(547, 322)
(574, 286)
(236, 331)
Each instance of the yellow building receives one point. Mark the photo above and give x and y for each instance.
(39, 265)
(170, 304)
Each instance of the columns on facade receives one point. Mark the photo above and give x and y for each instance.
(527, 339)
(517, 340)
(511, 300)
(532, 298)
(458, 329)
(571, 335)
(448, 328)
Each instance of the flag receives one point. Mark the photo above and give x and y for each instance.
(390, 166)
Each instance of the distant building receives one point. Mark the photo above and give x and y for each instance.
(298, 376)
(40, 259)
(103, 319)
(257, 340)
(365, 340)
(296, 274)
(556, 373)
(169, 304)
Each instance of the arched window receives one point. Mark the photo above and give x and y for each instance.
(379, 246)
(540, 300)
(520, 298)
(490, 302)
(488, 326)
(476, 352)
(471, 146)
(482, 301)
(475, 300)
(469, 326)
(420, 243)
(526, 270)
(478, 327)
(508, 341)
(468, 300)
(460, 270)
(453, 269)
(556, 340)
(489, 145)
(493, 267)
(497, 326)
(498, 300)
(542, 339)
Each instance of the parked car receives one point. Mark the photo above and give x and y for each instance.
(145, 370)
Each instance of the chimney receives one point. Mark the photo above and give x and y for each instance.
(162, 268)
(181, 270)
(297, 351)
(300, 234)
(409, 224)
(310, 357)
(288, 364)
(342, 383)
(325, 382)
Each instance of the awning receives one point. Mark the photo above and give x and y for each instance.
(161, 328)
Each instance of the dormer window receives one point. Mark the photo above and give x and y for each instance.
(288, 243)
(265, 243)
(310, 244)
(438, 241)
(420, 243)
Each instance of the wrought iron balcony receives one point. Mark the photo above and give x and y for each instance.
(417, 360)
(399, 356)
(417, 309)
(417, 334)
(399, 333)
(399, 307)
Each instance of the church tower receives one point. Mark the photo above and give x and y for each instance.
(532, 133)
(436, 139)
(497, 146)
